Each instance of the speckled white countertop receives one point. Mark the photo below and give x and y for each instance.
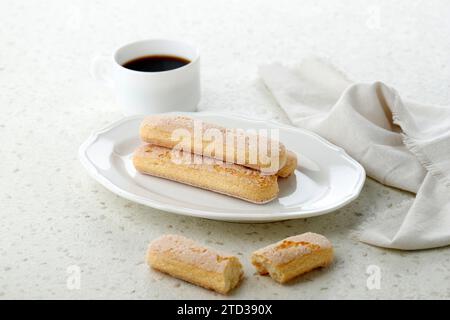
(55, 220)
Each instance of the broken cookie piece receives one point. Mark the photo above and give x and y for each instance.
(293, 256)
(182, 258)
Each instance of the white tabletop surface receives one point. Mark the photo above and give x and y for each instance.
(55, 220)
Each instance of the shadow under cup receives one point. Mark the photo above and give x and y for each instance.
(140, 92)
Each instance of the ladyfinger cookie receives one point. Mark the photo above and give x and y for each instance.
(214, 175)
(228, 145)
(290, 166)
(293, 256)
(184, 259)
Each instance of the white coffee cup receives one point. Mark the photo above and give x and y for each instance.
(140, 92)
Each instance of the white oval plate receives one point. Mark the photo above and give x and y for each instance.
(325, 180)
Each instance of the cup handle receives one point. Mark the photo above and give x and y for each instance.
(101, 69)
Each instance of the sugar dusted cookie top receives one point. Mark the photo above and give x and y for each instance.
(189, 251)
(291, 248)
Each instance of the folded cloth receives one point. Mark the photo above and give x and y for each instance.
(400, 144)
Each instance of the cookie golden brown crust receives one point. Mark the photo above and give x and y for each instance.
(226, 178)
(159, 130)
(182, 258)
(293, 256)
(290, 166)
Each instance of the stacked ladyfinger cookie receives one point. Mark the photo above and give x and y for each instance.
(213, 157)
(185, 259)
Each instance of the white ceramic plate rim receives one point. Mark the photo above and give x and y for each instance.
(224, 216)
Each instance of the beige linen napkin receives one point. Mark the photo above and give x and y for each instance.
(400, 144)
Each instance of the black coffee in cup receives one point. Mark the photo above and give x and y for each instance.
(156, 63)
